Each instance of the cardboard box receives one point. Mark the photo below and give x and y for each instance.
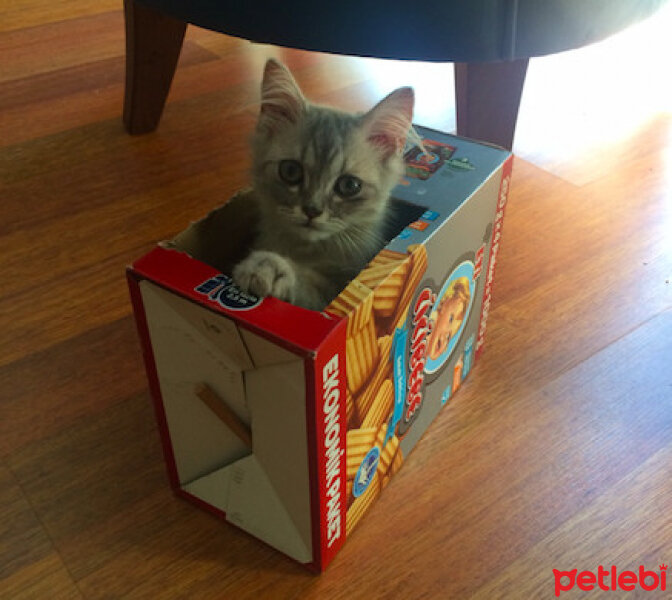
(290, 422)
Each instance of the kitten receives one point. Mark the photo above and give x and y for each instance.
(322, 179)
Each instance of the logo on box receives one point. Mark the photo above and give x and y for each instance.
(222, 290)
(366, 471)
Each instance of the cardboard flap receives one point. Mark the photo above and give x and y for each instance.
(213, 488)
(244, 492)
(276, 396)
(215, 333)
(264, 353)
(187, 344)
(223, 237)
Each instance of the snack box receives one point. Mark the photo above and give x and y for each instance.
(289, 423)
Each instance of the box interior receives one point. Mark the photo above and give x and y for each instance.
(224, 237)
(263, 489)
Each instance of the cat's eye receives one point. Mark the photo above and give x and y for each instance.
(290, 171)
(348, 186)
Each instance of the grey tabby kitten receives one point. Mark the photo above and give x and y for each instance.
(322, 178)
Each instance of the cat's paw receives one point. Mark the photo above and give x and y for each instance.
(265, 273)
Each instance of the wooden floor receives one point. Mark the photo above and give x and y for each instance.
(557, 453)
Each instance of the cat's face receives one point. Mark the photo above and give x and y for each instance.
(320, 172)
(321, 176)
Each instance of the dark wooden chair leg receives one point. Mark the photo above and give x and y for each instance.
(153, 44)
(487, 96)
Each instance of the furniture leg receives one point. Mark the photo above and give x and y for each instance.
(153, 44)
(487, 96)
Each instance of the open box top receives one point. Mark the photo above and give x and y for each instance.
(208, 249)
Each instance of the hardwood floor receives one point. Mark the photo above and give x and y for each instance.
(556, 453)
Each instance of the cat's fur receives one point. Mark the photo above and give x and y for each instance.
(312, 240)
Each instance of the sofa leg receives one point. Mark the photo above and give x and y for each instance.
(153, 44)
(487, 96)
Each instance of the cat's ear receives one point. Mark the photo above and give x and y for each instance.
(387, 124)
(281, 99)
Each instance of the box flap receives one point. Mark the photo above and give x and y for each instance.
(244, 492)
(295, 328)
(276, 397)
(187, 352)
(264, 353)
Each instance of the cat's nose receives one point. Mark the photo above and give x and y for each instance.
(312, 211)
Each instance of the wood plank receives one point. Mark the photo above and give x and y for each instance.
(116, 451)
(46, 578)
(59, 191)
(99, 292)
(593, 537)
(53, 248)
(49, 158)
(53, 45)
(171, 540)
(25, 14)
(22, 539)
(81, 94)
(547, 297)
(29, 565)
(60, 377)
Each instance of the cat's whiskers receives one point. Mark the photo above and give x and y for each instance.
(365, 235)
(350, 240)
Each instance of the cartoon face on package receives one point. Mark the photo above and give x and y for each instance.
(449, 314)
(426, 342)
(404, 331)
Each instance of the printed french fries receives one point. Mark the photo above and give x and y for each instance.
(364, 401)
(358, 443)
(396, 463)
(389, 461)
(356, 303)
(361, 504)
(381, 407)
(388, 256)
(385, 347)
(387, 279)
(388, 455)
(417, 270)
(361, 356)
(375, 303)
(391, 456)
(349, 406)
